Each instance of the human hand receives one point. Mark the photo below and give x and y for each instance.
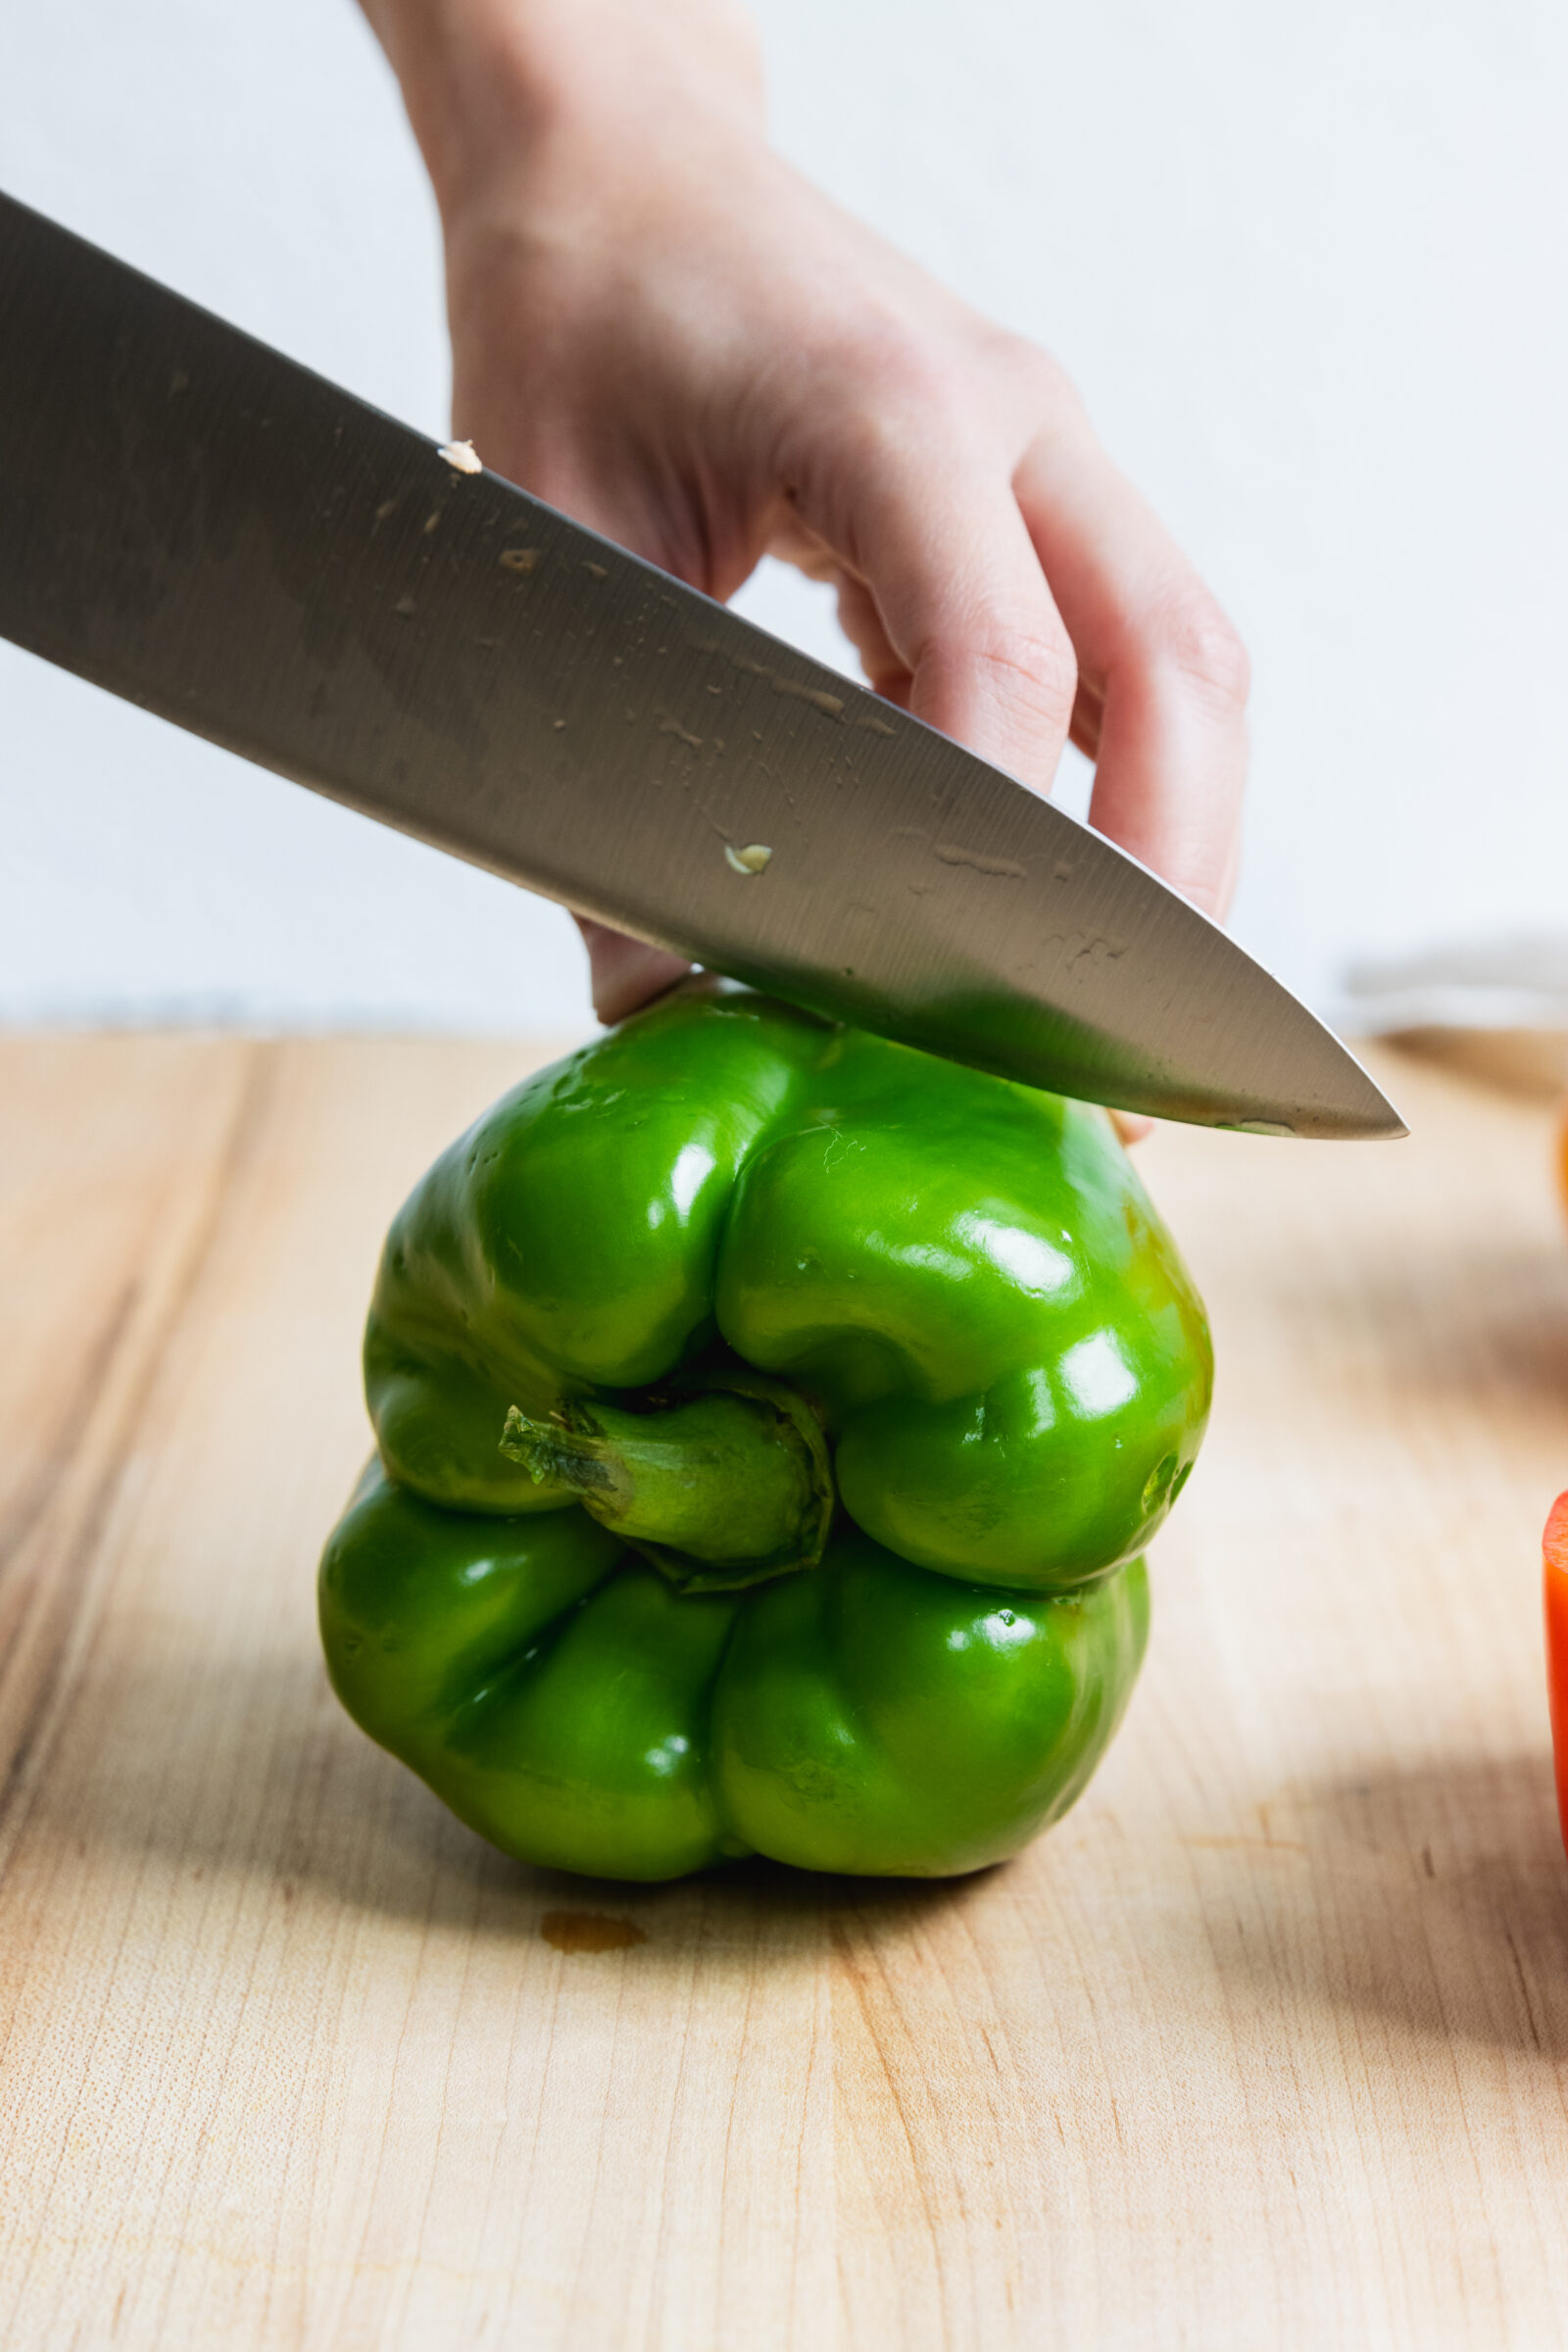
(661, 328)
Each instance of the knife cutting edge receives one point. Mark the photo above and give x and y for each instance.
(203, 527)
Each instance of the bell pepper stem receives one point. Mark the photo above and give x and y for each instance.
(554, 1455)
(720, 1487)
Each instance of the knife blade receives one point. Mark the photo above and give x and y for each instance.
(195, 522)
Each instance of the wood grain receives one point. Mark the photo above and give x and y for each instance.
(1267, 2045)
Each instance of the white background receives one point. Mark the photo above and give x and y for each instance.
(1308, 266)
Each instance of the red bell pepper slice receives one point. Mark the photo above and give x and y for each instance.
(1554, 1552)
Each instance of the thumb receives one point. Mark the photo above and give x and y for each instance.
(626, 973)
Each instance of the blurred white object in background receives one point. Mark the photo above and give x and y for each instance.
(1306, 267)
(1497, 1009)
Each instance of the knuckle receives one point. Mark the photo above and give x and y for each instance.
(1206, 650)
(894, 384)
(1028, 665)
(1045, 383)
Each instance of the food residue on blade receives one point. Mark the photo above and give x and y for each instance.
(1003, 869)
(519, 559)
(831, 704)
(461, 457)
(749, 860)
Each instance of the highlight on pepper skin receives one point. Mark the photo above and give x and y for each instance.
(771, 1422)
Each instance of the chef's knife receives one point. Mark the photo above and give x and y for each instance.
(196, 523)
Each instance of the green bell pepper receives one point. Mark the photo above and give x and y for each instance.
(771, 1421)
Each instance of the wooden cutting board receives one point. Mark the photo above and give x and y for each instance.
(1267, 2046)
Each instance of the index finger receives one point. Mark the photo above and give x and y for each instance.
(933, 536)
